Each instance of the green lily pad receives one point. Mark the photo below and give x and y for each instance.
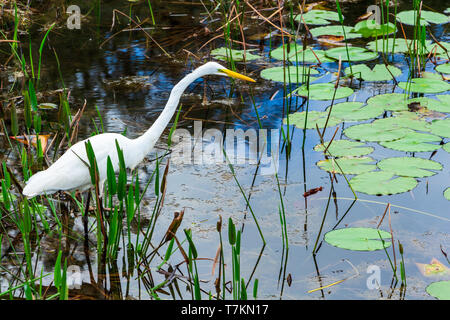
(376, 132)
(442, 106)
(404, 120)
(389, 101)
(313, 118)
(443, 68)
(370, 28)
(446, 147)
(358, 239)
(290, 74)
(345, 148)
(382, 183)
(440, 49)
(349, 165)
(397, 102)
(409, 166)
(447, 194)
(431, 75)
(441, 127)
(354, 54)
(355, 111)
(426, 17)
(294, 52)
(423, 85)
(397, 45)
(336, 31)
(414, 142)
(323, 91)
(380, 72)
(317, 17)
(447, 11)
(237, 55)
(439, 290)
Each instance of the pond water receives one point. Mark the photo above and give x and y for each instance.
(94, 57)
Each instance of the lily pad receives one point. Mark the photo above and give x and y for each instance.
(313, 118)
(349, 165)
(294, 52)
(370, 28)
(404, 120)
(443, 68)
(237, 55)
(441, 127)
(446, 147)
(358, 239)
(440, 49)
(441, 105)
(354, 54)
(439, 290)
(426, 17)
(376, 132)
(397, 102)
(355, 111)
(380, 72)
(323, 91)
(317, 17)
(291, 74)
(389, 101)
(335, 31)
(397, 45)
(447, 194)
(409, 166)
(414, 142)
(425, 85)
(382, 183)
(343, 148)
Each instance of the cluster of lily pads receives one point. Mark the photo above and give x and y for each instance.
(415, 125)
(405, 131)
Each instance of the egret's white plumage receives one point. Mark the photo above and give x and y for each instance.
(70, 172)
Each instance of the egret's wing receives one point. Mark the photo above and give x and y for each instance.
(70, 171)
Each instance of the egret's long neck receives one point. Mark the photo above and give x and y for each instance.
(146, 142)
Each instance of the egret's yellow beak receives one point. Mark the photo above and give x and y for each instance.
(236, 75)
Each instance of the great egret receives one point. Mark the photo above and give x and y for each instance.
(70, 171)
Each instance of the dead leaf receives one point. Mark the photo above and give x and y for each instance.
(316, 5)
(32, 138)
(435, 268)
(176, 222)
(364, 16)
(329, 40)
(312, 191)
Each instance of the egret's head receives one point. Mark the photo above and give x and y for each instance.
(219, 70)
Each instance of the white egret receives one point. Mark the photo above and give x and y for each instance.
(70, 172)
